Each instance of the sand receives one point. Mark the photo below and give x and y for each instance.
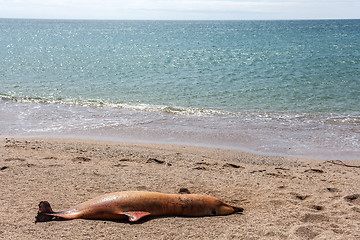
(283, 198)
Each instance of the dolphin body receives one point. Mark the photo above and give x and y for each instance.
(135, 205)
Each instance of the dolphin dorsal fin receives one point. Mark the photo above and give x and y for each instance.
(184, 191)
(135, 215)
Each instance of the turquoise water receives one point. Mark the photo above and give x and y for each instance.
(279, 82)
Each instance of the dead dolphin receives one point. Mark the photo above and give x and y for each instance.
(135, 205)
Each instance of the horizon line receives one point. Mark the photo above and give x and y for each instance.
(109, 19)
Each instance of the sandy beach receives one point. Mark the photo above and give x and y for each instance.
(283, 198)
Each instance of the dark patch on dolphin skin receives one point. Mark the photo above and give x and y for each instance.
(185, 203)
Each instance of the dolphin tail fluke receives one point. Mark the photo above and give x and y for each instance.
(46, 213)
(44, 210)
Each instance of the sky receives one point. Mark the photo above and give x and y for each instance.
(181, 9)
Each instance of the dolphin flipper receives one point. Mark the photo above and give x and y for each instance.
(135, 215)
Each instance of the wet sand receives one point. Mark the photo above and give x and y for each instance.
(283, 198)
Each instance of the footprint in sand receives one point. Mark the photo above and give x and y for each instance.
(306, 232)
(154, 160)
(14, 159)
(199, 168)
(313, 170)
(333, 189)
(300, 197)
(81, 159)
(231, 165)
(317, 207)
(314, 218)
(354, 199)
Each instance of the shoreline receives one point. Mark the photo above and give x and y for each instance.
(152, 140)
(275, 134)
(283, 198)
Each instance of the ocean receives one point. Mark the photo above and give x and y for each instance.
(284, 88)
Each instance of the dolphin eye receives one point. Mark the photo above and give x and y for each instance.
(213, 212)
